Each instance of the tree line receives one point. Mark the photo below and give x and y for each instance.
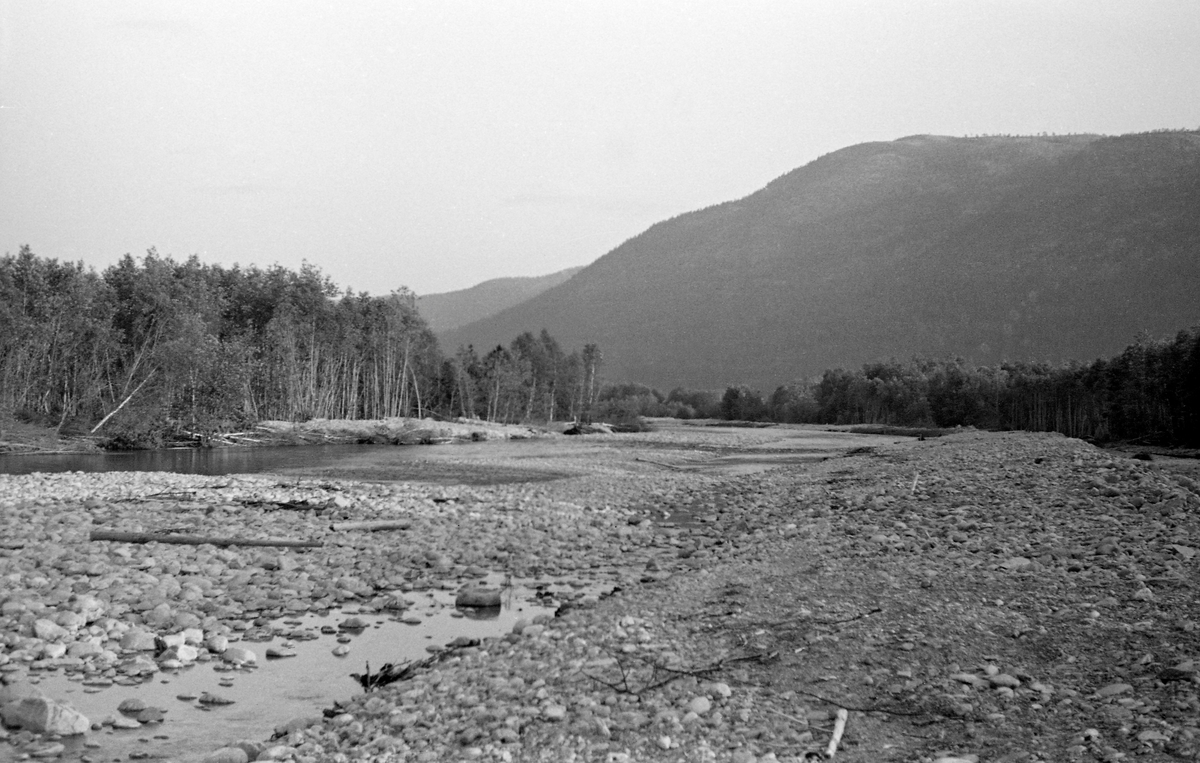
(154, 349)
(1149, 393)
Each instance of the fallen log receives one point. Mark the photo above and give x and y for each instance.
(372, 526)
(124, 402)
(664, 464)
(197, 540)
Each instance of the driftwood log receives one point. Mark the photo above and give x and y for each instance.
(372, 526)
(197, 540)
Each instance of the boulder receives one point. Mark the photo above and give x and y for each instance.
(151, 715)
(132, 706)
(478, 597)
(83, 649)
(48, 630)
(72, 621)
(354, 624)
(138, 641)
(88, 606)
(139, 665)
(302, 722)
(239, 655)
(45, 716)
(227, 755)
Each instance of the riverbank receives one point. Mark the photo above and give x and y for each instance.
(1009, 596)
(20, 438)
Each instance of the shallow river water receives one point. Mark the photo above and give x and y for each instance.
(275, 691)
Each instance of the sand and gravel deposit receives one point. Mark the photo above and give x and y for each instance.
(978, 597)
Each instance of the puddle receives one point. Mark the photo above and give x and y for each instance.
(278, 690)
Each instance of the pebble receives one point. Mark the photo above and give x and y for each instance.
(1004, 680)
(48, 750)
(699, 705)
(151, 715)
(131, 706)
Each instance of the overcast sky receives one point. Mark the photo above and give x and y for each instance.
(437, 144)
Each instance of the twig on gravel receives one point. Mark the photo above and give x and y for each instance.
(660, 675)
(800, 721)
(871, 709)
(391, 673)
(373, 525)
(663, 464)
(813, 621)
(839, 728)
(177, 495)
(301, 505)
(851, 619)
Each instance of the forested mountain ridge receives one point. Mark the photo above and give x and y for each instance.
(990, 248)
(449, 310)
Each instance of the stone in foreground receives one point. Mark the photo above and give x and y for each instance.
(478, 597)
(45, 716)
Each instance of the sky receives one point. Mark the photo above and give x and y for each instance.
(434, 145)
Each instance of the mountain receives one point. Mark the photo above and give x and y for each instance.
(991, 248)
(451, 309)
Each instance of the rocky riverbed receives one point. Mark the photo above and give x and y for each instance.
(977, 597)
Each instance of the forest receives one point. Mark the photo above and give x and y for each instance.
(1149, 394)
(158, 351)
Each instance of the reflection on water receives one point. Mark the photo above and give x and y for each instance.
(466, 463)
(209, 461)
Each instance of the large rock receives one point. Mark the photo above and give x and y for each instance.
(82, 649)
(72, 621)
(239, 655)
(302, 722)
(48, 630)
(138, 641)
(88, 606)
(227, 755)
(478, 597)
(45, 716)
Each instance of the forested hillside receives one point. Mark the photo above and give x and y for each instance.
(1148, 394)
(157, 349)
(451, 309)
(993, 249)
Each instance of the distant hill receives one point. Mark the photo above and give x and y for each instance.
(1043, 248)
(451, 309)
